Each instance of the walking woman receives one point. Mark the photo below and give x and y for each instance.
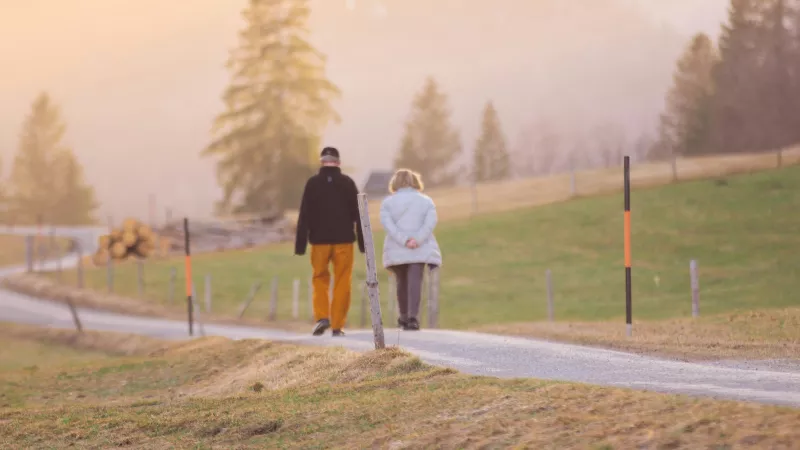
(409, 217)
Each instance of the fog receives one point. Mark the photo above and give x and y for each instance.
(139, 81)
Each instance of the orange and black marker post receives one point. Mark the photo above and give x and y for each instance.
(188, 275)
(627, 233)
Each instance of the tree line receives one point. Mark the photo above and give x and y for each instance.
(279, 101)
(741, 94)
(46, 182)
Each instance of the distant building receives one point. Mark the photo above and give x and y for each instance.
(377, 185)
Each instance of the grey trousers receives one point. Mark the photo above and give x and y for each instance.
(409, 289)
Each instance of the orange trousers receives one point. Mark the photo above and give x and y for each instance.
(341, 255)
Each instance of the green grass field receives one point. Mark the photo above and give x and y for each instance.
(743, 230)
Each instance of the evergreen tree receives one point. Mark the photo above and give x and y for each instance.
(778, 76)
(46, 179)
(491, 158)
(276, 108)
(738, 80)
(430, 144)
(684, 125)
(75, 200)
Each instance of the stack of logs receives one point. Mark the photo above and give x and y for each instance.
(133, 239)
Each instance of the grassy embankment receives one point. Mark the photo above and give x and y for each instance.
(58, 390)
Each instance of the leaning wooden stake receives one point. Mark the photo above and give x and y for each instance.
(372, 274)
(249, 299)
(75, 317)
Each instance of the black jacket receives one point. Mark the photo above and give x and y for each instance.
(329, 211)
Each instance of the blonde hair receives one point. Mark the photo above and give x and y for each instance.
(405, 178)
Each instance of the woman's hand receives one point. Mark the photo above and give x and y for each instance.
(411, 243)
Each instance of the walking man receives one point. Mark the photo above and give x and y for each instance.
(329, 220)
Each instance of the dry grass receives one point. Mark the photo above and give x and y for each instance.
(253, 394)
(12, 248)
(767, 334)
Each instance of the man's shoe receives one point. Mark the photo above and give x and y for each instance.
(337, 333)
(321, 326)
(402, 323)
(412, 325)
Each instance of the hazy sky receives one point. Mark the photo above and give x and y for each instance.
(139, 81)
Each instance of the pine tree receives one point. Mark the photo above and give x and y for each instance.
(736, 125)
(685, 125)
(276, 108)
(491, 158)
(46, 179)
(76, 202)
(430, 144)
(779, 83)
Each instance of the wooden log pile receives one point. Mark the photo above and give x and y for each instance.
(133, 239)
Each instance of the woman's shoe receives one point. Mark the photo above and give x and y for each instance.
(412, 325)
(402, 323)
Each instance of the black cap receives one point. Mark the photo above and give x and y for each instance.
(329, 154)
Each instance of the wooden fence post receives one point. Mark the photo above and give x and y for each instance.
(548, 277)
(433, 298)
(372, 273)
(140, 276)
(208, 293)
(196, 312)
(110, 262)
(29, 253)
(391, 295)
(58, 255)
(79, 267)
(273, 300)
(311, 299)
(295, 298)
(249, 299)
(695, 281)
(173, 275)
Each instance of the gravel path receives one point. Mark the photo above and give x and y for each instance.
(473, 353)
